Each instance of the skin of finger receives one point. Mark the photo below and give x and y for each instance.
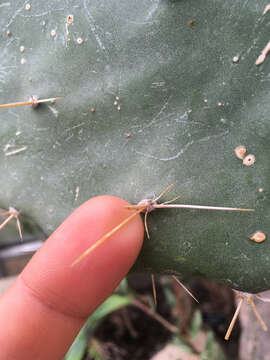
(45, 308)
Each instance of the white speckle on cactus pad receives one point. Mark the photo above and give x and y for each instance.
(249, 160)
(53, 33)
(240, 151)
(266, 9)
(70, 19)
(258, 237)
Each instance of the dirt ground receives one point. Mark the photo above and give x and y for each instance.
(129, 333)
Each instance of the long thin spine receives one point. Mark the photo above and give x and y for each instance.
(136, 207)
(170, 201)
(235, 316)
(49, 100)
(4, 223)
(4, 213)
(20, 103)
(258, 316)
(19, 228)
(105, 237)
(164, 192)
(29, 102)
(154, 289)
(146, 225)
(201, 207)
(185, 288)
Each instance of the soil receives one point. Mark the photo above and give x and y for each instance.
(129, 333)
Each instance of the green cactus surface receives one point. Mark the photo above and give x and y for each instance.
(155, 92)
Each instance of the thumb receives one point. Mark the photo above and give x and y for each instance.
(50, 301)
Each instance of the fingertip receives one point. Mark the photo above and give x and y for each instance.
(51, 297)
(88, 283)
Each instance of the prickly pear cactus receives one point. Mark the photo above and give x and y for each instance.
(155, 92)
